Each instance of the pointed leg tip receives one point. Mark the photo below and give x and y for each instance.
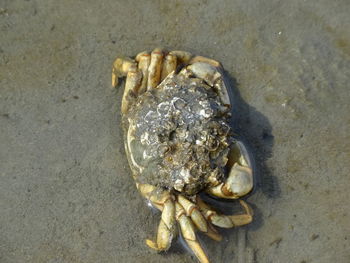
(247, 208)
(158, 50)
(114, 83)
(213, 233)
(151, 244)
(214, 236)
(158, 247)
(198, 251)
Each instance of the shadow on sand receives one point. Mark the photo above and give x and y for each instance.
(255, 130)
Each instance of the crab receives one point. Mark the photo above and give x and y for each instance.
(176, 116)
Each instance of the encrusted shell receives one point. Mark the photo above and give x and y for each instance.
(180, 135)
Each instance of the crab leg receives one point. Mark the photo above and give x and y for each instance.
(197, 218)
(154, 69)
(120, 69)
(146, 189)
(182, 56)
(128, 68)
(169, 65)
(205, 71)
(150, 192)
(219, 86)
(166, 228)
(205, 60)
(144, 60)
(188, 233)
(226, 221)
(132, 84)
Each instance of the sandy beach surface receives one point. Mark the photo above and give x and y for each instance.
(66, 191)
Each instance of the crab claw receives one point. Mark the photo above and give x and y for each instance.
(240, 179)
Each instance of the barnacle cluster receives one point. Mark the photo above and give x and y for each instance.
(183, 135)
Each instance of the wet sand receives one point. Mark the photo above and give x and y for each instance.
(66, 194)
